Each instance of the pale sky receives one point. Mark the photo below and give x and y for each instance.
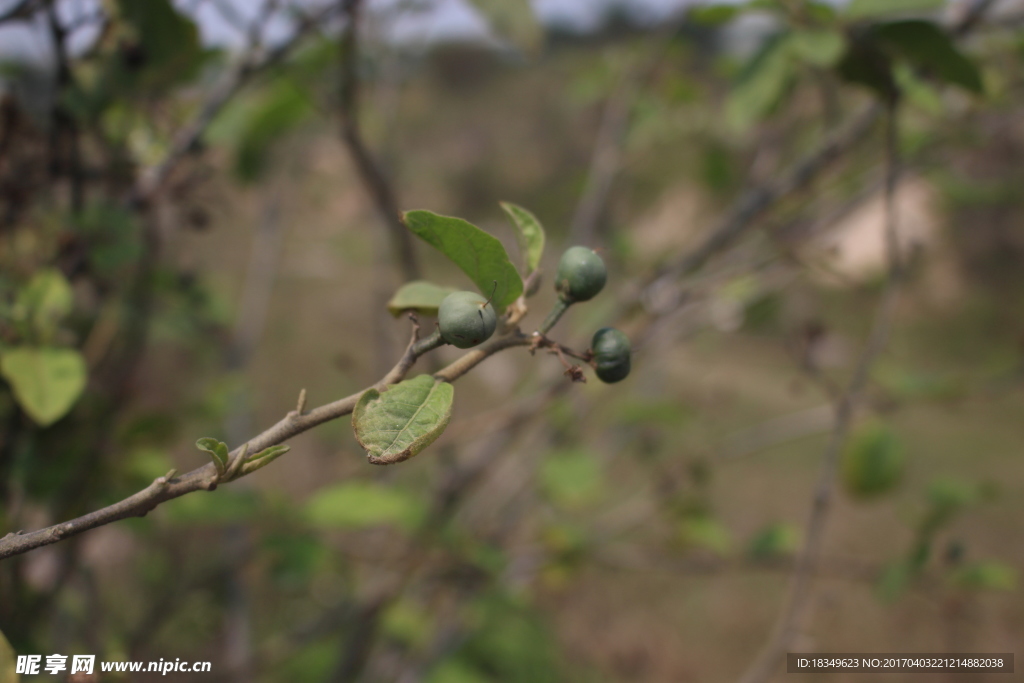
(429, 20)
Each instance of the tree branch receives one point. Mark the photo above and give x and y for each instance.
(206, 478)
(255, 59)
(372, 176)
(788, 624)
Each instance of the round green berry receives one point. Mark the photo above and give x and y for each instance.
(611, 350)
(581, 275)
(466, 319)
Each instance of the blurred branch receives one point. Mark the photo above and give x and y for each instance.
(255, 60)
(789, 622)
(606, 157)
(370, 173)
(20, 10)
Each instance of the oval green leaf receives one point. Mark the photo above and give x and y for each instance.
(873, 462)
(761, 84)
(529, 232)
(46, 382)
(420, 296)
(930, 48)
(480, 256)
(45, 301)
(867, 9)
(218, 451)
(359, 504)
(399, 423)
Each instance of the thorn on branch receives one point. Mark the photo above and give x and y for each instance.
(300, 407)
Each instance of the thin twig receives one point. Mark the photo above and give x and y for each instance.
(370, 173)
(205, 478)
(255, 60)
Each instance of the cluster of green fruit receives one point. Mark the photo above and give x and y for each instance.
(466, 319)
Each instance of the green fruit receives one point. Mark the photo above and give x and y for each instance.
(581, 275)
(611, 355)
(466, 319)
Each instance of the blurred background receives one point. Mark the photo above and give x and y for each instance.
(197, 221)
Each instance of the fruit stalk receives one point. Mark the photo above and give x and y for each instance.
(559, 309)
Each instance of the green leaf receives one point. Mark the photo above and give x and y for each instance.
(988, 575)
(894, 581)
(818, 47)
(399, 423)
(46, 381)
(264, 458)
(358, 504)
(867, 9)
(45, 301)
(168, 48)
(713, 15)
(873, 462)
(529, 232)
(931, 49)
(218, 451)
(266, 123)
(865, 64)
(572, 478)
(480, 256)
(270, 453)
(761, 84)
(226, 506)
(514, 21)
(420, 296)
(7, 662)
(408, 624)
(921, 94)
(705, 532)
(775, 540)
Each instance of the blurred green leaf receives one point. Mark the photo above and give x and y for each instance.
(479, 255)
(228, 505)
(166, 49)
(293, 557)
(571, 478)
(928, 47)
(987, 575)
(864, 63)
(510, 642)
(46, 381)
(457, 671)
(652, 411)
(819, 47)
(893, 581)
(529, 232)
(705, 532)
(7, 662)
(872, 462)
(218, 451)
(761, 84)
(265, 123)
(359, 504)
(403, 420)
(408, 623)
(514, 21)
(420, 296)
(869, 9)
(775, 540)
(45, 300)
(713, 15)
(917, 91)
